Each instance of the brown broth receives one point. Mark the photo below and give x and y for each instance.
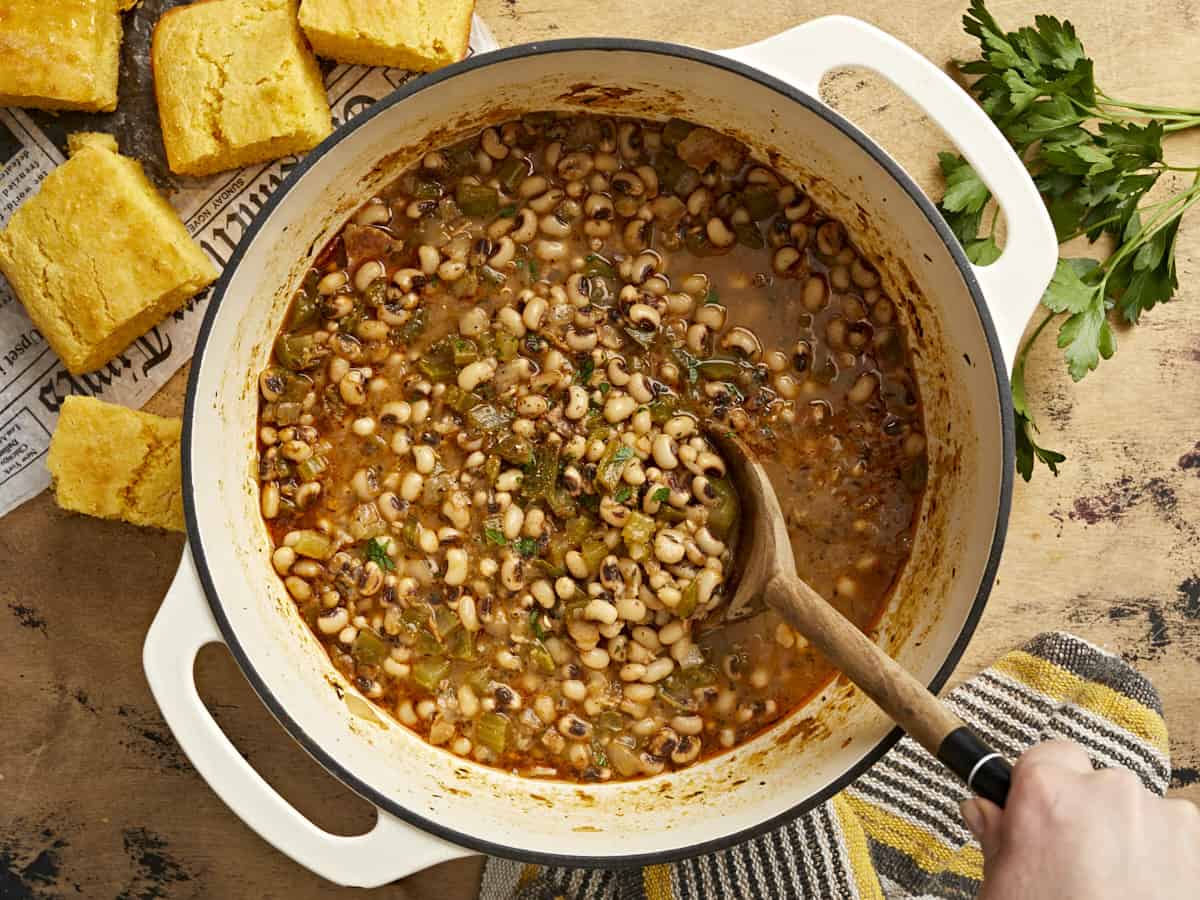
(510, 657)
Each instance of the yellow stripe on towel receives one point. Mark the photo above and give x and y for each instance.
(861, 867)
(657, 882)
(925, 849)
(1059, 684)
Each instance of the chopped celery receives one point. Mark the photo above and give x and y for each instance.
(305, 307)
(425, 644)
(488, 418)
(662, 408)
(459, 400)
(368, 648)
(461, 644)
(579, 528)
(438, 363)
(687, 603)
(541, 472)
(541, 658)
(297, 352)
(511, 172)
(506, 346)
(314, 544)
(612, 465)
(429, 672)
(492, 731)
(595, 264)
(411, 532)
(593, 551)
(464, 350)
(515, 449)
(415, 615)
(427, 189)
(480, 679)
(723, 515)
(637, 534)
(312, 468)
(444, 621)
(560, 503)
(761, 202)
(719, 369)
(476, 199)
(412, 329)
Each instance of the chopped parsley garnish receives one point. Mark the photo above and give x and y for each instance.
(376, 551)
(495, 536)
(712, 297)
(586, 368)
(535, 623)
(661, 495)
(527, 547)
(624, 492)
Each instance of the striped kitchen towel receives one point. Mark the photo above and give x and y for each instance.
(896, 832)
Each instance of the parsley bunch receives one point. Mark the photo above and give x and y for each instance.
(1093, 158)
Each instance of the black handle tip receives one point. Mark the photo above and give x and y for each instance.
(983, 770)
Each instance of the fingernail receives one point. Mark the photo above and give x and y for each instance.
(972, 816)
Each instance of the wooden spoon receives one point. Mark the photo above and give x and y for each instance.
(768, 569)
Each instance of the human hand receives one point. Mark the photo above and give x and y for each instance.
(1069, 832)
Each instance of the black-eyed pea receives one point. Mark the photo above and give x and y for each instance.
(720, 234)
(863, 389)
(270, 500)
(614, 513)
(332, 283)
(512, 572)
(786, 260)
(618, 407)
(711, 314)
(333, 621)
(697, 339)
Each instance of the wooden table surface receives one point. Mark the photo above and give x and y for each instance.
(96, 799)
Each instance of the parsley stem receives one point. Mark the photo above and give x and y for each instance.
(1110, 100)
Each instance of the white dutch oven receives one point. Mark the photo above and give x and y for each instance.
(432, 805)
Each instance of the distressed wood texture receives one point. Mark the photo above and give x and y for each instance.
(96, 799)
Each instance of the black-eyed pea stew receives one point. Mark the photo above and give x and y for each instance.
(482, 443)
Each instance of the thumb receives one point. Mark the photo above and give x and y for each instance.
(983, 819)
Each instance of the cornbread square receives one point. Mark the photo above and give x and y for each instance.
(236, 85)
(117, 463)
(409, 34)
(61, 54)
(98, 256)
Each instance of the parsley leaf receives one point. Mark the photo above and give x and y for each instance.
(586, 368)
(376, 551)
(527, 547)
(623, 493)
(535, 624)
(1094, 159)
(495, 536)
(712, 296)
(661, 495)
(506, 212)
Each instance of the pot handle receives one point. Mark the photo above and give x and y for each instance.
(1013, 284)
(390, 850)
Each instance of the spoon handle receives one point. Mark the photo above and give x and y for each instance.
(893, 688)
